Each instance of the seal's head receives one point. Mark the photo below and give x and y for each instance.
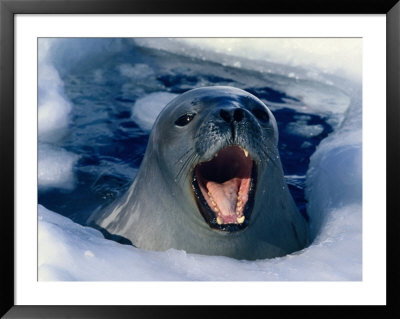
(211, 182)
(221, 137)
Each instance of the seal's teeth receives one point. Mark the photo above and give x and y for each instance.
(239, 204)
(240, 220)
(219, 220)
(245, 153)
(213, 203)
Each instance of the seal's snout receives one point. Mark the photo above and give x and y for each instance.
(232, 115)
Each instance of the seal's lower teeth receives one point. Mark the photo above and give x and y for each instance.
(240, 220)
(246, 153)
(219, 220)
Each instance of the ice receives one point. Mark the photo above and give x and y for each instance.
(319, 98)
(318, 72)
(54, 108)
(68, 251)
(339, 56)
(55, 165)
(304, 130)
(334, 179)
(147, 108)
(55, 168)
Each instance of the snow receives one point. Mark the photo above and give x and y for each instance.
(54, 107)
(55, 165)
(55, 168)
(147, 108)
(68, 251)
(321, 55)
(334, 179)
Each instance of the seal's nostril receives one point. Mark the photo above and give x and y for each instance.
(238, 115)
(225, 115)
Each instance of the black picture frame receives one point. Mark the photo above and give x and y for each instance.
(8, 8)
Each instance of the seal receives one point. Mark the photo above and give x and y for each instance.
(211, 182)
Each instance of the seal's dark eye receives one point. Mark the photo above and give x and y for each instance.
(184, 119)
(261, 115)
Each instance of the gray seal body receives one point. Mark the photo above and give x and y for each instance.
(211, 182)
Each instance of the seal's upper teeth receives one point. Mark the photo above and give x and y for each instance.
(240, 220)
(219, 220)
(245, 153)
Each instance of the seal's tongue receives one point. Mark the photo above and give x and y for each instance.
(225, 182)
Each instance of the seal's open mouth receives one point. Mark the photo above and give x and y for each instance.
(224, 188)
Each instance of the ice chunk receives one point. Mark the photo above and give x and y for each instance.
(147, 108)
(55, 168)
(304, 130)
(54, 107)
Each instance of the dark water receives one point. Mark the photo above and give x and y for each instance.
(111, 145)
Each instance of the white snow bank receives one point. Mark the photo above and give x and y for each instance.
(68, 251)
(55, 168)
(334, 179)
(55, 165)
(54, 108)
(318, 72)
(147, 108)
(341, 56)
